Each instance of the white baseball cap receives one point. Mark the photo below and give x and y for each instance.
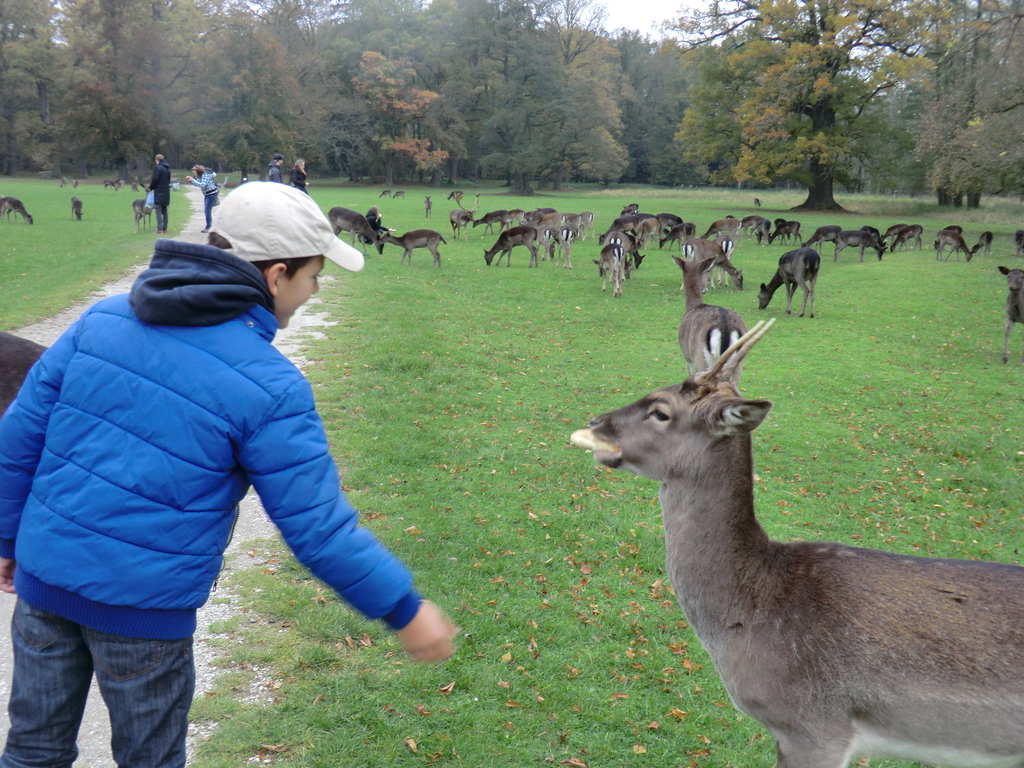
(265, 220)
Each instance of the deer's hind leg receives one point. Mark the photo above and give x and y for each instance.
(801, 751)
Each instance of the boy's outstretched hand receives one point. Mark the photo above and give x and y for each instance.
(429, 636)
(7, 566)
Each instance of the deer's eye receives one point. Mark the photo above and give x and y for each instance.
(659, 413)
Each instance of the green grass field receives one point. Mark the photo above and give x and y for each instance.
(449, 395)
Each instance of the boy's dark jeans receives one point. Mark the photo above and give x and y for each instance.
(146, 684)
(209, 201)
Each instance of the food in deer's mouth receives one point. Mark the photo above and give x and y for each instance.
(584, 438)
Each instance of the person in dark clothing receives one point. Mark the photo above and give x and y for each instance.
(274, 168)
(299, 175)
(375, 220)
(160, 186)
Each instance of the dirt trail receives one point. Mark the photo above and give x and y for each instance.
(94, 736)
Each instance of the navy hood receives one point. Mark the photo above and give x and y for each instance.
(190, 284)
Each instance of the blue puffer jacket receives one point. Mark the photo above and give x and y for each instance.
(136, 435)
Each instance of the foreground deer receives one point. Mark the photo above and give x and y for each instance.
(706, 331)
(353, 222)
(9, 205)
(1014, 306)
(141, 212)
(416, 238)
(838, 651)
(17, 356)
(859, 238)
(76, 208)
(796, 268)
(525, 236)
(950, 238)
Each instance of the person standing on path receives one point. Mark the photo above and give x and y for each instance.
(160, 186)
(204, 179)
(111, 557)
(274, 168)
(299, 175)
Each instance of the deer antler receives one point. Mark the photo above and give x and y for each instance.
(725, 365)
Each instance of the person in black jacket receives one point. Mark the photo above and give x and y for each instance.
(160, 186)
(274, 168)
(299, 175)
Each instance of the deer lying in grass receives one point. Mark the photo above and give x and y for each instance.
(17, 356)
(950, 238)
(796, 268)
(826, 234)
(460, 219)
(353, 222)
(9, 205)
(906, 234)
(416, 238)
(859, 238)
(838, 651)
(706, 331)
(76, 208)
(525, 236)
(142, 213)
(611, 266)
(1014, 306)
(984, 243)
(788, 230)
(679, 233)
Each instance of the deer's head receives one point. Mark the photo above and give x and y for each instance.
(673, 429)
(1015, 279)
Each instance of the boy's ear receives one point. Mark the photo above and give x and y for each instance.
(272, 274)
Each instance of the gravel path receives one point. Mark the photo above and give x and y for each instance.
(94, 736)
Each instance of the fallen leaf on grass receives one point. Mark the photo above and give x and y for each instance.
(447, 688)
(411, 744)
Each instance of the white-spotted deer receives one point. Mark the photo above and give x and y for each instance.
(611, 266)
(950, 238)
(705, 331)
(525, 236)
(76, 208)
(1014, 306)
(797, 268)
(141, 213)
(9, 205)
(353, 222)
(839, 651)
(859, 238)
(416, 238)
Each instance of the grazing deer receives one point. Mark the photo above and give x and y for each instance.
(984, 243)
(114, 184)
(629, 209)
(63, 181)
(1014, 306)
(537, 215)
(397, 194)
(953, 228)
(525, 236)
(905, 234)
(785, 229)
(76, 208)
(516, 216)
(630, 245)
(9, 205)
(74, 184)
(891, 232)
(826, 234)
(838, 651)
(752, 224)
(706, 331)
(353, 222)
(718, 250)
(859, 238)
(491, 218)
(586, 223)
(1018, 241)
(417, 238)
(17, 356)
(757, 202)
(647, 227)
(668, 220)
(141, 213)
(949, 238)
(384, 193)
(679, 233)
(729, 226)
(427, 207)
(611, 267)
(459, 218)
(796, 268)
(456, 195)
(561, 236)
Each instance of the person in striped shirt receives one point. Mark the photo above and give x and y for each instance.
(204, 179)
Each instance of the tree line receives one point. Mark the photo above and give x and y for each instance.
(910, 96)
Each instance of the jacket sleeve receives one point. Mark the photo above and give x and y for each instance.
(23, 432)
(288, 462)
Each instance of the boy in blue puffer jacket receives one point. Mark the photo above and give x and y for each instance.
(122, 462)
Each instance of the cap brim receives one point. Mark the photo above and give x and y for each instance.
(344, 255)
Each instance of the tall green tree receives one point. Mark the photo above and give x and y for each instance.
(816, 67)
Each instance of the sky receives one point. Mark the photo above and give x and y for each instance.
(644, 16)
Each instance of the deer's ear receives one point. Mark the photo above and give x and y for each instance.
(740, 416)
(1004, 270)
(679, 262)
